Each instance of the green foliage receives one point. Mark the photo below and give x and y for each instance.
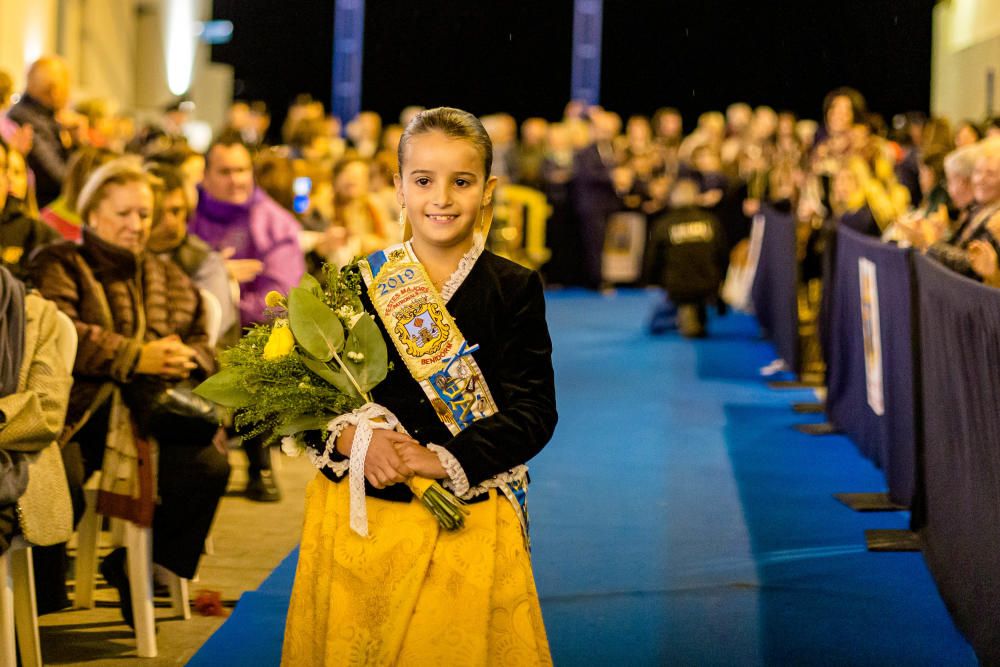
(317, 329)
(314, 383)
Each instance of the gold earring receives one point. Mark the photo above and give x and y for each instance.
(402, 216)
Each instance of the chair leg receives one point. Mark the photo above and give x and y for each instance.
(179, 598)
(25, 609)
(139, 546)
(88, 535)
(117, 527)
(8, 645)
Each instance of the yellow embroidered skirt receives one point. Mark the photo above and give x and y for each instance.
(412, 594)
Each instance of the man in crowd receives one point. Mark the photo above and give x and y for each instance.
(260, 241)
(44, 107)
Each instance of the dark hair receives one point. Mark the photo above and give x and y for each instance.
(275, 175)
(972, 126)
(350, 157)
(175, 156)
(453, 123)
(857, 100)
(170, 178)
(227, 139)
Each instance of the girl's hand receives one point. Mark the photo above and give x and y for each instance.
(383, 466)
(420, 460)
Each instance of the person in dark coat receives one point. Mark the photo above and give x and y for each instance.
(19, 234)
(141, 326)
(46, 94)
(593, 194)
(688, 251)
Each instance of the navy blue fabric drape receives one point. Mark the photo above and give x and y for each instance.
(775, 286)
(889, 439)
(960, 362)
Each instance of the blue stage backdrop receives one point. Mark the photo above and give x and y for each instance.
(775, 286)
(870, 378)
(960, 355)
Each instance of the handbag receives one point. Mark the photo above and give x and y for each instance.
(170, 412)
(45, 511)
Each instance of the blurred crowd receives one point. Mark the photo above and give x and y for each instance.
(159, 252)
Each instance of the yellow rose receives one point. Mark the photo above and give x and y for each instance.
(280, 342)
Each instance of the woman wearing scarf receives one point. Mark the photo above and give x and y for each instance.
(141, 327)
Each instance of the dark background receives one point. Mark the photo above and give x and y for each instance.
(514, 55)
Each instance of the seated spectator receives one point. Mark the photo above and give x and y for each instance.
(259, 240)
(141, 328)
(686, 256)
(993, 128)
(189, 162)
(61, 214)
(953, 252)
(849, 202)
(928, 227)
(169, 239)
(967, 133)
(365, 222)
(19, 138)
(20, 187)
(34, 382)
(43, 106)
(19, 234)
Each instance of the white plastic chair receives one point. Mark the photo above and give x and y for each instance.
(18, 608)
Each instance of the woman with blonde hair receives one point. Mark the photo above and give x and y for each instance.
(141, 329)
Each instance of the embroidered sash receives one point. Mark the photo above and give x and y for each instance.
(434, 350)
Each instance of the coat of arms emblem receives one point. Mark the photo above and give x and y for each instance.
(422, 328)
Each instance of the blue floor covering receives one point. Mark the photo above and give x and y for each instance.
(677, 518)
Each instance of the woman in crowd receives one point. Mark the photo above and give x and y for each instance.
(20, 187)
(20, 235)
(967, 133)
(141, 329)
(364, 222)
(170, 240)
(61, 215)
(413, 594)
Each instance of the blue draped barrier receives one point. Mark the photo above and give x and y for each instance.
(869, 355)
(960, 363)
(775, 286)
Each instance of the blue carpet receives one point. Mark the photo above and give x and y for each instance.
(678, 519)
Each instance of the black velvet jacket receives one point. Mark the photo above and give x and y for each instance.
(501, 307)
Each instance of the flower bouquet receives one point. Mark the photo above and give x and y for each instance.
(317, 358)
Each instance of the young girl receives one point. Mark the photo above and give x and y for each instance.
(471, 390)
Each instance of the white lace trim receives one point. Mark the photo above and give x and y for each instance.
(369, 416)
(516, 474)
(465, 265)
(456, 474)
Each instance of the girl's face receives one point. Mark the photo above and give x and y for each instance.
(124, 216)
(444, 188)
